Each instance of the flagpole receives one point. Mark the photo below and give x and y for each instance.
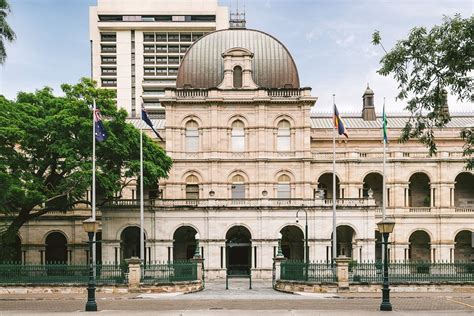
(384, 197)
(142, 239)
(94, 108)
(334, 235)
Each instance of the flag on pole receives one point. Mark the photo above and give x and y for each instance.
(384, 125)
(100, 134)
(338, 124)
(149, 122)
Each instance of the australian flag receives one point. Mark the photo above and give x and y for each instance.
(149, 122)
(100, 134)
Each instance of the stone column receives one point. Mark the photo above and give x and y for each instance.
(342, 272)
(277, 268)
(200, 268)
(134, 272)
(320, 248)
(109, 252)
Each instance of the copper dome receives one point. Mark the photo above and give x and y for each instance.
(272, 64)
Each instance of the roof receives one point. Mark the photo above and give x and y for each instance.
(272, 64)
(324, 120)
(394, 120)
(138, 123)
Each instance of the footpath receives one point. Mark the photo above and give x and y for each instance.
(261, 300)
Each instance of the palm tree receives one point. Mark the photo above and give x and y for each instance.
(6, 33)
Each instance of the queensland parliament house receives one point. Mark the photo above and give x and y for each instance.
(250, 150)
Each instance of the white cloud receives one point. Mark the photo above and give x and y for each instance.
(346, 41)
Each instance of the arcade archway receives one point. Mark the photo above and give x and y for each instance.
(239, 251)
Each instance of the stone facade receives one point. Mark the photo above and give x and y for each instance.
(248, 158)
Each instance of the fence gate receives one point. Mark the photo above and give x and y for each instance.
(238, 261)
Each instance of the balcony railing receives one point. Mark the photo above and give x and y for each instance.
(284, 93)
(464, 210)
(420, 210)
(327, 155)
(356, 202)
(191, 93)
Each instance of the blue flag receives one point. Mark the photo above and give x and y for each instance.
(148, 122)
(100, 134)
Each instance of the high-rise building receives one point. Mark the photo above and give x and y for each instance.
(137, 45)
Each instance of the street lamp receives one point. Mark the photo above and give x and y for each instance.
(385, 228)
(90, 227)
(305, 234)
(305, 240)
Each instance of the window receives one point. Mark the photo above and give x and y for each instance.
(160, 37)
(185, 37)
(149, 48)
(238, 187)
(238, 77)
(148, 37)
(192, 187)
(283, 187)
(238, 136)
(192, 136)
(173, 37)
(283, 136)
(173, 60)
(149, 60)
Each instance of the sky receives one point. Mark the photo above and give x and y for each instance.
(330, 40)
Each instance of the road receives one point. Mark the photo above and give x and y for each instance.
(262, 300)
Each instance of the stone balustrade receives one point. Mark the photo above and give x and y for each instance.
(323, 203)
(394, 155)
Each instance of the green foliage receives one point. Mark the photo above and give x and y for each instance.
(6, 32)
(427, 64)
(46, 152)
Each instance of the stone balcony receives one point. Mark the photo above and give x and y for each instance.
(240, 203)
(390, 155)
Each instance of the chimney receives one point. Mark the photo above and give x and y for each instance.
(368, 108)
(444, 101)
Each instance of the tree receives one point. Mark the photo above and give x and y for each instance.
(46, 149)
(6, 33)
(427, 65)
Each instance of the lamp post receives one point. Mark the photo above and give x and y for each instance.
(305, 240)
(90, 227)
(385, 228)
(305, 234)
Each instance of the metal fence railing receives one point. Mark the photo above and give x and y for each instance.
(61, 273)
(323, 272)
(413, 272)
(166, 272)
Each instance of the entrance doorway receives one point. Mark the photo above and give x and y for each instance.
(184, 243)
(56, 248)
(239, 251)
(130, 242)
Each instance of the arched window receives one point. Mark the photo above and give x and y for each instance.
(237, 77)
(192, 136)
(283, 188)
(192, 187)
(238, 136)
(238, 187)
(283, 136)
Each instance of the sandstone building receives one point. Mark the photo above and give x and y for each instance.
(250, 150)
